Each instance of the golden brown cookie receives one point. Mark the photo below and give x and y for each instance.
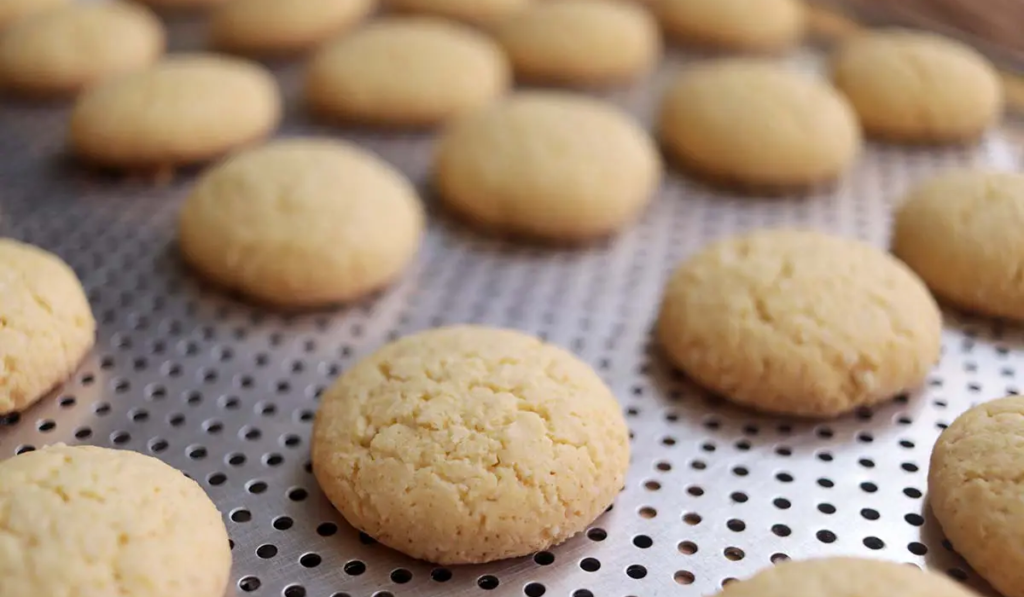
(275, 27)
(762, 26)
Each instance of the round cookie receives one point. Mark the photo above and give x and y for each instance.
(46, 325)
(15, 10)
(765, 26)
(754, 124)
(470, 444)
(475, 12)
(581, 42)
(186, 109)
(916, 87)
(974, 489)
(797, 322)
(91, 521)
(67, 49)
(415, 71)
(274, 27)
(182, 5)
(960, 232)
(845, 577)
(302, 223)
(547, 165)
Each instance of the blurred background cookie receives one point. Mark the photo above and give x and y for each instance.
(276, 27)
(476, 12)
(766, 26)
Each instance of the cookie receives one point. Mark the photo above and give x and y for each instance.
(547, 165)
(960, 232)
(845, 577)
(67, 49)
(753, 124)
(182, 5)
(414, 72)
(470, 444)
(188, 108)
(46, 325)
(916, 87)
(765, 26)
(975, 482)
(89, 521)
(797, 322)
(301, 223)
(581, 42)
(15, 10)
(475, 12)
(276, 27)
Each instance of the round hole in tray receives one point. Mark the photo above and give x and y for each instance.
(590, 564)
(534, 589)
(488, 582)
(440, 575)
(684, 577)
(636, 571)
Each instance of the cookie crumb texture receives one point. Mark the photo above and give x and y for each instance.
(68, 49)
(961, 232)
(845, 577)
(914, 87)
(302, 223)
(753, 124)
(764, 26)
(975, 484)
(46, 324)
(275, 27)
(548, 165)
(798, 322)
(581, 42)
(189, 108)
(94, 522)
(470, 444)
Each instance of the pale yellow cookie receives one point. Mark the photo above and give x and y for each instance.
(752, 123)
(548, 165)
(581, 42)
(64, 50)
(797, 322)
(845, 577)
(412, 71)
(189, 108)
(94, 522)
(302, 223)
(46, 325)
(273, 27)
(916, 87)
(756, 26)
(14, 10)
(961, 232)
(470, 444)
(187, 5)
(476, 12)
(975, 485)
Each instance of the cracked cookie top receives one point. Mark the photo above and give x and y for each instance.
(46, 324)
(95, 522)
(975, 483)
(470, 444)
(799, 322)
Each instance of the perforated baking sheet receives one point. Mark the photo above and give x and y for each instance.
(227, 392)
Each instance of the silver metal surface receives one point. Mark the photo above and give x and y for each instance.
(226, 391)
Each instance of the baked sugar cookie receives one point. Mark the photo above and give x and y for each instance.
(762, 26)
(186, 109)
(916, 87)
(797, 322)
(46, 325)
(581, 42)
(975, 482)
(752, 123)
(476, 12)
(845, 577)
(273, 27)
(14, 10)
(470, 444)
(961, 232)
(67, 49)
(90, 521)
(415, 71)
(301, 223)
(178, 5)
(547, 165)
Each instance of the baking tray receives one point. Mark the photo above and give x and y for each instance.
(226, 391)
